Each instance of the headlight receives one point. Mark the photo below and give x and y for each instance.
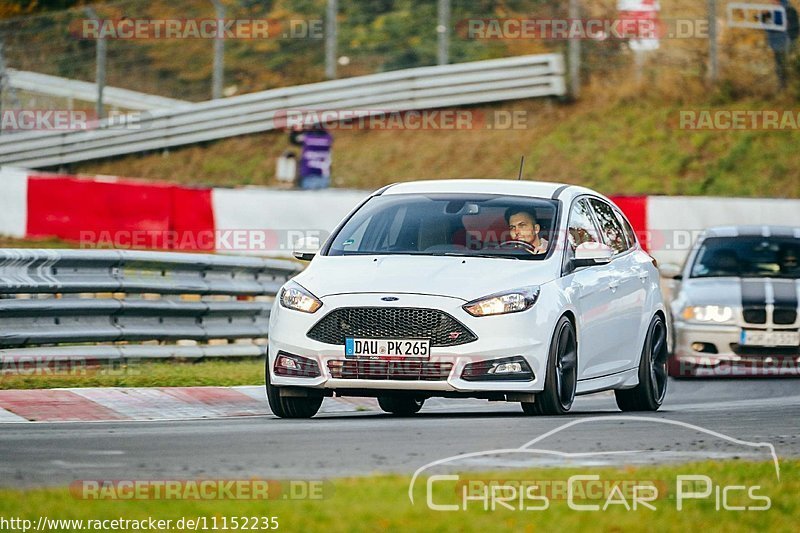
(708, 313)
(293, 296)
(503, 303)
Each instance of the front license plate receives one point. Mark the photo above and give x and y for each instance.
(387, 348)
(769, 338)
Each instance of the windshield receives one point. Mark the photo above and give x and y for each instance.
(449, 224)
(767, 257)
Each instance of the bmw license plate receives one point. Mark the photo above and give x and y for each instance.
(751, 337)
(389, 348)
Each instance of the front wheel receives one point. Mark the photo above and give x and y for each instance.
(561, 379)
(649, 394)
(400, 405)
(290, 406)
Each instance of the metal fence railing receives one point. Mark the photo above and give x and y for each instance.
(411, 89)
(100, 304)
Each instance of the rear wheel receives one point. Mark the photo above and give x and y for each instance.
(400, 405)
(561, 379)
(649, 394)
(290, 406)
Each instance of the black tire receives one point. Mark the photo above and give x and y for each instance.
(561, 379)
(649, 394)
(400, 405)
(290, 406)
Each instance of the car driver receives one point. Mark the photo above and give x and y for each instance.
(523, 227)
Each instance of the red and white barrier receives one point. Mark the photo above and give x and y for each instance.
(124, 213)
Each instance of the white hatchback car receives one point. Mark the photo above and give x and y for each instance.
(504, 290)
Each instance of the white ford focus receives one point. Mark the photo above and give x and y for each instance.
(504, 290)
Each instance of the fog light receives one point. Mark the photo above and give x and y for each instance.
(703, 347)
(295, 366)
(506, 369)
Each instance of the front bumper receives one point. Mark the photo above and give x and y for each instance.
(522, 334)
(730, 360)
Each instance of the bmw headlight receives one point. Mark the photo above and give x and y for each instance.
(295, 297)
(502, 303)
(708, 314)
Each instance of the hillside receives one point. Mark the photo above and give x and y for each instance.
(620, 146)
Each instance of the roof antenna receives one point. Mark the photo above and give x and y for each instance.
(521, 166)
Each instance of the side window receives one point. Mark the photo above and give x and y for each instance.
(581, 225)
(627, 228)
(610, 226)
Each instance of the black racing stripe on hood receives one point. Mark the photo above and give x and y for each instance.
(785, 293)
(754, 293)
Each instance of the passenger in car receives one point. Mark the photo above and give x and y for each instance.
(788, 262)
(523, 227)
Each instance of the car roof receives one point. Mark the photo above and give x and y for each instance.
(752, 231)
(539, 189)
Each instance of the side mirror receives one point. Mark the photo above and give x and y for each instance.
(305, 248)
(592, 253)
(670, 271)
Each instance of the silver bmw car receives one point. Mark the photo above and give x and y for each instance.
(735, 305)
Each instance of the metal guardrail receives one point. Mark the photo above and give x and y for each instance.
(86, 91)
(411, 89)
(58, 297)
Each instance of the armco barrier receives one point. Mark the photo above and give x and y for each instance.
(418, 88)
(56, 297)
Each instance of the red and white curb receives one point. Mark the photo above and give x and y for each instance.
(141, 404)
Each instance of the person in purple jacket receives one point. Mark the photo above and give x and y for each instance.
(315, 156)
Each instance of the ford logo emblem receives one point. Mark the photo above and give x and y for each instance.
(389, 299)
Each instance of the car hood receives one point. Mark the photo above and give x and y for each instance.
(717, 291)
(713, 291)
(466, 278)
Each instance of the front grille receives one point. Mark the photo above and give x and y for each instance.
(755, 316)
(784, 316)
(398, 370)
(391, 323)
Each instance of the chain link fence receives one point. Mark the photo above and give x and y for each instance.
(376, 36)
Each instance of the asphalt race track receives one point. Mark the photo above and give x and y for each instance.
(358, 443)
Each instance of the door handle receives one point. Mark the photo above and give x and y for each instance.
(643, 275)
(613, 285)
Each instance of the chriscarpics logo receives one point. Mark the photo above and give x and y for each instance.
(524, 479)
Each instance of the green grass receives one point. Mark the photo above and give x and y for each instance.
(620, 146)
(380, 503)
(135, 374)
